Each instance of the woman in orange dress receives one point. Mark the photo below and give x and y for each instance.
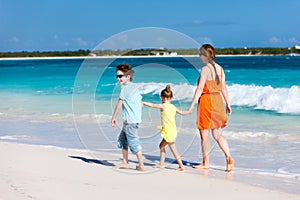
(211, 115)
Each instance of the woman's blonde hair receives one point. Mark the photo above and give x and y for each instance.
(208, 51)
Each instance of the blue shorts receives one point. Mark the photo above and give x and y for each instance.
(129, 137)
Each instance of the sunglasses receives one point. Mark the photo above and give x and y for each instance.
(121, 75)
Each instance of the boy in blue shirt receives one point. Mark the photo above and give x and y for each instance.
(130, 102)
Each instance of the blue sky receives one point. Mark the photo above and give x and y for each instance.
(34, 25)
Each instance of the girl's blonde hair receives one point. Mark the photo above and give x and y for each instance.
(167, 92)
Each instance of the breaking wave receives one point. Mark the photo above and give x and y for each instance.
(281, 100)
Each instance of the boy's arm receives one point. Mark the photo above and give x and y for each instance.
(183, 112)
(152, 105)
(116, 111)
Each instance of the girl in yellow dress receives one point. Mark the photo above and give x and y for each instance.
(168, 125)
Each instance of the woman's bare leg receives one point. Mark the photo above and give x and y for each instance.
(205, 147)
(223, 144)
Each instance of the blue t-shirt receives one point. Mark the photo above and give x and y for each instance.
(131, 107)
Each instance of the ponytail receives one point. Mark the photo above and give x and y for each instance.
(167, 92)
(217, 78)
(208, 51)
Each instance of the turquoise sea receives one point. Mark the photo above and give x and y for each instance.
(68, 103)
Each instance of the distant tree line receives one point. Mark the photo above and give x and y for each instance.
(242, 51)
(79, 52)
(139, 52)
(256, 51)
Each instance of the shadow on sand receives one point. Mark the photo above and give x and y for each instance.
(94, 161)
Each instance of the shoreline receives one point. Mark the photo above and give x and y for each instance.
(31, 170)
(265, 181)
(115, 56)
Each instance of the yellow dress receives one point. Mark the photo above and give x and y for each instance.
(168, 126)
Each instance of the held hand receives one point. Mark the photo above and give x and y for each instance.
(113, 123)
(228, 110)
(190, 110)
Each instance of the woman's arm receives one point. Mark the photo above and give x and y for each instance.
(225, 94)
(199, 88)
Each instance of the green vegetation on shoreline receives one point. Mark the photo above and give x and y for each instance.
(80, 52)
(144, 52)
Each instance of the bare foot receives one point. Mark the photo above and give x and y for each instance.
(123, 166)
(180, 169)
(201, 166)
(140, 168)
(159, 166)
(229, 165)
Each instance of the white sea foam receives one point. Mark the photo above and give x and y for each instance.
(281, 100)
(109, 84)
(13, 137)
(251, 135)
(280, 173)
(60, 117)
(182, 91)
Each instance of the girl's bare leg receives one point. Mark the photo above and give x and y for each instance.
(222, 142)
(162, 149)
(205, 147)
(176, 155)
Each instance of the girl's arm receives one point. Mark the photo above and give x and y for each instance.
(152, 105)
(116, 111)
(199, 88)
(183, 112)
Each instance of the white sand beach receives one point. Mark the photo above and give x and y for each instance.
(39, 172)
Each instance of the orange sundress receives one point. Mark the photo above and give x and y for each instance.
(210, 112)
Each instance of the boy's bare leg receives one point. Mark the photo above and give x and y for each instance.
(139, 157)
(125, 163)
(176, 155)
(125, 156)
